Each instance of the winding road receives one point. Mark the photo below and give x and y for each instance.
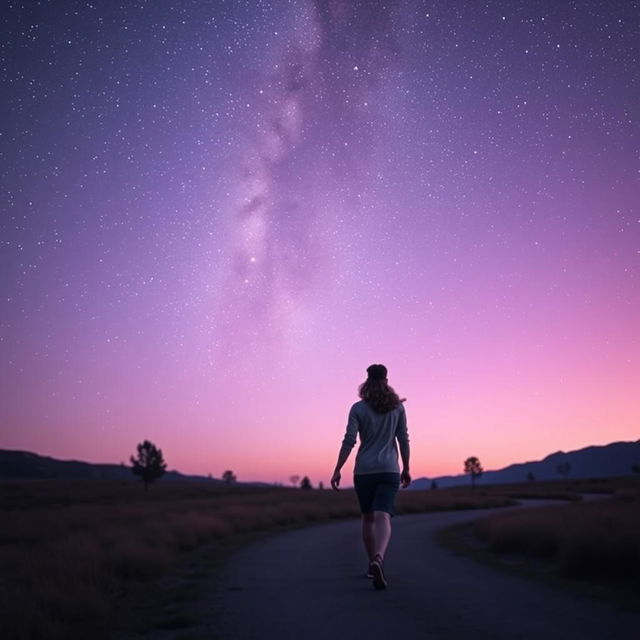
(310, 584)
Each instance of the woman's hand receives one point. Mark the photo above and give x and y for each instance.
(335, 480)
(405, 478)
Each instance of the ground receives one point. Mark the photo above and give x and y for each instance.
(311, 583)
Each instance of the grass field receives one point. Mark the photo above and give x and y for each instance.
(592, 547)
(70, 551)
(592, 540)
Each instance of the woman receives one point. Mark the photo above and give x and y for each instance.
(380, 420)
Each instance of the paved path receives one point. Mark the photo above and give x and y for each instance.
(309, 584)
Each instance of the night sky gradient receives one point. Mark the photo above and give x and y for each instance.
(216, 215)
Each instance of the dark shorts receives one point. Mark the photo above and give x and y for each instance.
(377, 491)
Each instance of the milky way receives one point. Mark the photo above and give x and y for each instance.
(216, 215)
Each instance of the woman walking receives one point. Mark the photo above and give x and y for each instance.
(380, 421)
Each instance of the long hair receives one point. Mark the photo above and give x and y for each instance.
(379, 395)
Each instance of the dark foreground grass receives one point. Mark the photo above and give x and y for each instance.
(571, 490)
(592, 547)
(72, 552)
(590, 540)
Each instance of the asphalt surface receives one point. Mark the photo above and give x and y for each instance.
(311, 583)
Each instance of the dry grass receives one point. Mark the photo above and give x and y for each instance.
(572, 489)
(69, 550)
(595, 540)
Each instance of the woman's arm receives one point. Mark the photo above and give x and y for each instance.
(342, 458)
(402, 435)
(405, 476)
(347, 444)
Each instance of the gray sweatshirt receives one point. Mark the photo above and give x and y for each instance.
(378, 452)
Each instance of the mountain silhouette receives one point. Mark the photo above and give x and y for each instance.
(24, 464)
(615, 459)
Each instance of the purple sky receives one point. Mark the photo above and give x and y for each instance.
(216, 215)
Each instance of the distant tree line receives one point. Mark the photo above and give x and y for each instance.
(148, 463)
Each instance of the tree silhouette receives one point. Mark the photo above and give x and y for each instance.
(305, 483)
(434, 484)
(229, 477)
(473, 467)
(149, 463)
(531, 477)
(294, 479)
(563, 469)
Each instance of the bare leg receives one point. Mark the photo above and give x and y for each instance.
(381, 537)
(369, 534)
(382, 532)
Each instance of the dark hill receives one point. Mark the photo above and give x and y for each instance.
(23, 464)
(615, 459)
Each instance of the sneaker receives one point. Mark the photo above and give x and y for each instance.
(379, 581)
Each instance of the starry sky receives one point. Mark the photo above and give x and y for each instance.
(216, 214)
